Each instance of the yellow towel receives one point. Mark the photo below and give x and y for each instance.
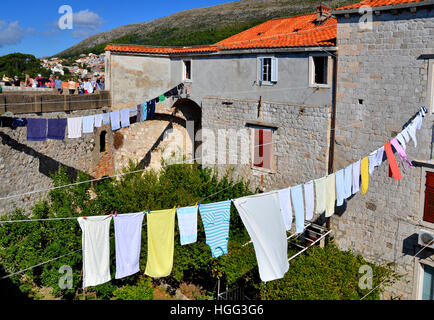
(320, 194)
(161, 241)
(330, 195)
(364, 171)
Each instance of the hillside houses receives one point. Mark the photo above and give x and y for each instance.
(294, 99)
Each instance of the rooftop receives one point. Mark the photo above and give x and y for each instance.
(382, 3)
(292, 32)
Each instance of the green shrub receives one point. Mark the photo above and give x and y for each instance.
(142, 291)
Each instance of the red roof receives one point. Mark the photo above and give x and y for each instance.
(377, 3)
(300, 31)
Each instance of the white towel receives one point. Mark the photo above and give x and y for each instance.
(372, 157)
(309, 199)
(285, 207)
(356, 177)
(348, 181)
(98, 120)
(88, 123)
(96, 249)
(401, 140)
(128, 237)
(187, 223)
(115, 120)
(125, 117)
(379, 156)
(74, 127)
(263, 220)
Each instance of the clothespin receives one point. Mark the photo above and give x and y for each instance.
(179, 206)
(116, 213)
(149, 211)
(198, 204)
(84, 217)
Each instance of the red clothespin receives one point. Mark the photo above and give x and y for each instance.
(84, 217)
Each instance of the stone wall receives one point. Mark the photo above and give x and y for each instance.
(382, 82)
(300, 142)
(25, 166)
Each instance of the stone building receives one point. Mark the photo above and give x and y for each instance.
(272, 84)
(385, 73)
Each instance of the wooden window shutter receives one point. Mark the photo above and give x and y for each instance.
(267, 138)
(258, 148)
(429, 198)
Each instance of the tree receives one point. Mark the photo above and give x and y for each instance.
(19, 64)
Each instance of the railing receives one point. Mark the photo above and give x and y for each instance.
(32, 102)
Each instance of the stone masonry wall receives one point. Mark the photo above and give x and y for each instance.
(25, 166)
(382, 82)
(300, 143)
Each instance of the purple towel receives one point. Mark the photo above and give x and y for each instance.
(36, 129)
(56, 129)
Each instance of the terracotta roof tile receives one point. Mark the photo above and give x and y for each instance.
(300, 31)
(377, 3)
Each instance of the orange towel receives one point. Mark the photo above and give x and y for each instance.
(393, 165)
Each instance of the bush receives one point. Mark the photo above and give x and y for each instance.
(142, 291)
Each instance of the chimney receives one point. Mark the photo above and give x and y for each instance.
(323, 13)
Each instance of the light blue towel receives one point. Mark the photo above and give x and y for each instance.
(340, 187)
(128, 237)
(298, 204)
(115, 120)
(125, 117)
(187, 223)
(215, 218)
(348, 181)
(145, 111)
(98, 120)
(106, 118)
(309, 200)
(88, 123)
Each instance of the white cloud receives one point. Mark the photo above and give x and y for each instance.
(11, 33)
(87, 19)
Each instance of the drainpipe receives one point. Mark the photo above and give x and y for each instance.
(333, 126)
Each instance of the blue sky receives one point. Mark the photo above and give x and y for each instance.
(32, 26)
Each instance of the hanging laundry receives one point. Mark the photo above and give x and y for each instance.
(128, 237)
(36, 129)
(372, 157)
(115, 120)
(125, 117)
(379, 156)
(74, 127)
(96, 249)
(411, 129)
(263, 220)
(348, 181)
(139, 117)
(162, 98)
(161, 242)
(309, 200)
(405, 134)
(88, 124)
(98, 120)
(187, 223)
(106, 118)
(340, 187)
(320, 195)
(298, 203)
(401, 140)
(418, 121)
(393, 165)
(330, 182)
(356, 177)
(285, 207)
(145, 111)
(151, 109)
(401, 152)
(6, 122)
(56, 129)
(364, 171)
(215, 219)
(133, 112)
(19, 122)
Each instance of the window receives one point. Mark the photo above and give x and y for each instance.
(268, 70)
(320, 74)
(187, 69)
(428, 283)
(429, 198)
(262, 148)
